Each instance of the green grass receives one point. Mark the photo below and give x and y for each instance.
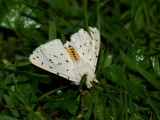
(128, 67)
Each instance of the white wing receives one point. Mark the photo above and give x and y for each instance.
(54, 58)
(87, 45)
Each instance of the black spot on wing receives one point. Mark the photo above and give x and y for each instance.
(55, 56)
(59, 63)
(50, 61)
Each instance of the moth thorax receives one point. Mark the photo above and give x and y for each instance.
(86, 69)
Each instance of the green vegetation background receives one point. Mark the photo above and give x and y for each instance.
(128, 67)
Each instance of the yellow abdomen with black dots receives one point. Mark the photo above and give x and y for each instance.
(72, 53)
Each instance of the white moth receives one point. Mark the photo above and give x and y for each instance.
(71, 60)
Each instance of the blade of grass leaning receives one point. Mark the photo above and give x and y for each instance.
(40, 78)
(150, 78)
(52, 30)
(3, 86)
(11, 105)
(155, 107)
(85, 11)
